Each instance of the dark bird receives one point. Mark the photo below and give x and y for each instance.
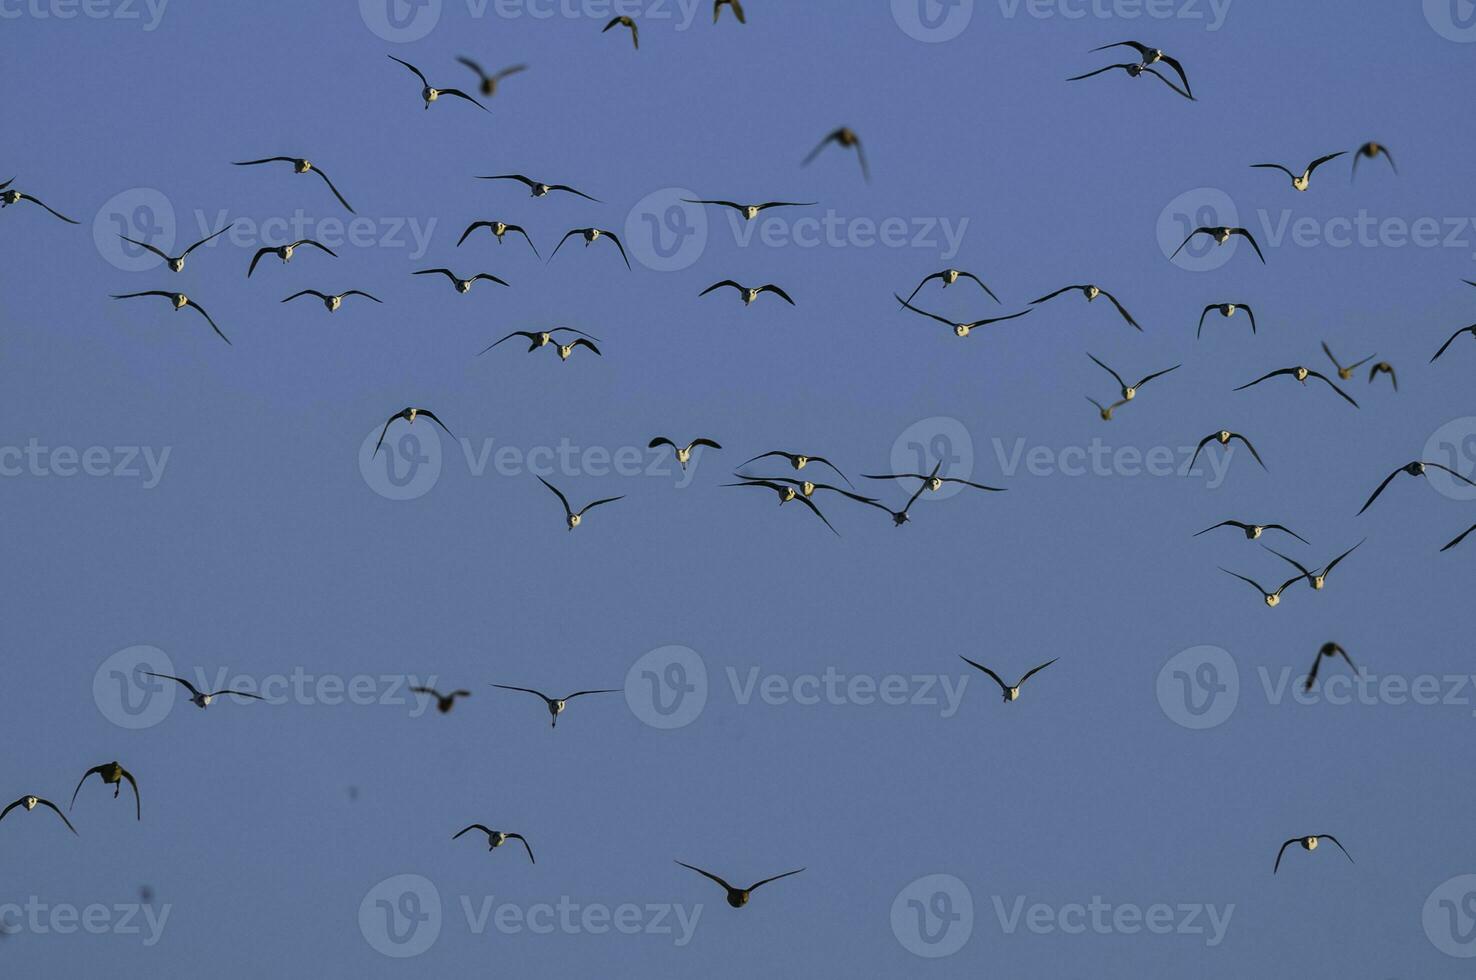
(113, 774)
(300, 166)
(1105, 410)
(332, 300)
(444, 702)
(1225, 310)
(1416, 468)
(1253, 531)
(428, 94)
(1328, 651)
(932, 482)
(1011, 693)
(180, 301)
(1345, 372)
(567, 350)
(199, 698)
(786, 492)
(1273, 599)
(1470, 330)
(177, 263)
(1129, 392)
(488, 81)
(496, 838)
(749, 293)
(717, 8)
(751, 211)
(1301, 374)
(1383, 367)
(899, 517)
(498, 229)
(737, 897)
(1308, 844)
(960, 329)
(31, 802)
(799, 461)
(1315, 579)
(571, 517)
(1151, 56)
(1371, 150)
(1090, 292)
(285, 252)
(1459, 538)
(590, 236)
(1134, 69)
(556, 705)
(539, 338)
(948, 278)
(843, 137)
(1223, 437)
(463, 286)
(9, 197)
(623, 21)
(683, 453)
(409, 415)
(1304, 179)
(807, 488)
(541, 189)
(1221, 235)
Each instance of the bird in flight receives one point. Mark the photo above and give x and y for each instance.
(1225, 310)
(444, 702)
(1105, 410)
(932, 481)
(843, 137)
(463, 286)
(1273, 599)
(571, 517)
(751, 211)
(1301, 374)
(1383, 367)
(629, 22)
(948, 278)
(749, 293)
(1415, 468)
(1129, 392)
(1011, 693)
(799, 461)
(1302, 180)
(1470, 330)
(567, 350)
(1345, 372)
(899, 517)
(285, 252)
(1308, 844)
(498, 229)
(1459, 538)
(201, 699)
(31, 802)
(1135, 69)
(113, 774)
(8, 196)
(332, 300)
(1091, 292)
(1221, 235)
(496, 838)
(177, 263)
(786, 492)
(1253, 531)
(807, 488)
(960, 329)
(1328, 651)
(1371, 150)
(301, 166)
(488, 82)
(428, 94)
(180, 301)
(409, 415)
(1315, 579)
(718, 5)
(541, 338)
(1151, 56)
(737, 897)
(1223, 437)
(556, 705)
(590, 236)
(683, 453)
(540, 189)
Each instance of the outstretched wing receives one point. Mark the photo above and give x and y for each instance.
(972, 663)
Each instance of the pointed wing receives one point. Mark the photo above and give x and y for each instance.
(413, 69)
(527, 848)
(562, 499)
(334, 190)
(94, 769)
(775, 878)
(1035, 670)
(1375, 496)
(1002, 686)
(170, 677)
(707, 874)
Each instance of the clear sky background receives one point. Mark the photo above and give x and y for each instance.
(264, 551)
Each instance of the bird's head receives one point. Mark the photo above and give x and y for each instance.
(430, 94)
(180, 301)
(961, 329)
(1128, 394)
(800, 461)
(565, 350)
(1318, 581)
(1273, 600)
(287, 251)
(574, 521)
(1013, 694)
(1310, 843)
(31, 802)
(177, 265)
(1224, 436)
(900, 518)
(807, 488)
(334, 302)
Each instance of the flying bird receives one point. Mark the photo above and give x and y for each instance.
(1301, 374)
(199, 698)
(571, 517)
(683, 453)
(180, 301)
(1223, 437)
(1151, 56)
(332, 300)
(961, 329)
(556, 705)
(31, 802)
(1315, 579)
(300, 166)
(1135, 69)
(623, 21)
(567, 350)
(409, 415)
(737, 897)
(1253, 531)
(496, 838)
(498, 229)
(1415, 468)
(948, 278)
(787, 492)
(590, 236)
(1091, 292)
(899, 517)
(1304, 179)
(932, 482)
(751, 211)
(1273, 599)
(1383, 367)
(488, 82)
(1225, 310)
(1011, 693)
(285, 252)
(177, 263)
(463, 286)
(1221, 235)
(799, 461)
(1470, 330)
(807, 488)
(1459, 538)
(749, 293)
(717, 8)
(1308, 844)
(842, 137)
(540, 338)
(1371, 150)
(429, 94)
(444, 702)
(1327, 651)
(1345, 372)
(1105, 410)
(9, 197)
(1129, 392)
(113, 774)
(541, 189)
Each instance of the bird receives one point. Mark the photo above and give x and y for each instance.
(1253, 532)
(285, 252)
(961, 329)
(567, 350)
(1371, 150)
(1273, 599)
(463, 286)
(556, 705)
(8, 196)
(1223, 437)
(1091, 292)
(1308, 844)
(749, 293)
(1010, 693)
(787, 492)
(496, 838)
(539, 338)
(444, 702)
(177, 263)
(1459, 538)
(31, 802)
(1105, 410)
(737, 897)
(1315, 579)
(751, 211)
(332, 300)
(1225, 310)
(1150, 56)
(571, 517)
(1134, 69)
(799, 461)
(1221, 235)
(428, 94)
(113, 774)
(591, 235)
(409, 415)
(624, 21)
(1415, 468)
(717, 8)
(498, 228)
(541, 189)
(1304, 179)
(843, 137)
(948, 278)
(1129, 392)
(899, 517)
(1345, 373)
(807, 488)
(683, 453)
(1328, 650)
(1470, 330)
(180, 301)
(489, 81)
(1383, 367)
(1301, 374)
(301, 166)
(933, 482)
(199, 698)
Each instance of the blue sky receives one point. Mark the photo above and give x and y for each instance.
(237, 527)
